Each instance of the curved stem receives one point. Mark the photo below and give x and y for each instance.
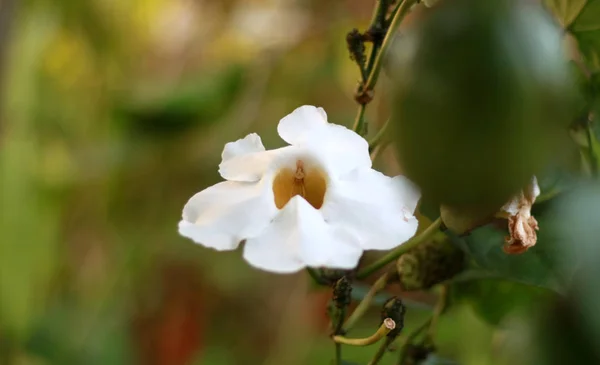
(399, 15)
(439, 309)
(374, 142)
(375, 153)
(377, 150)
(385, 328)
(407, 246)
(363, 306)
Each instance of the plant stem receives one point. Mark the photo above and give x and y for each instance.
(382, 350)
(341, 299)
(400, 12)
(338, 354)
(377, 23)
(337, 328)
(593, 154)
(359, 121)
(374, 142)
(383, 330)
(363, 306)
(340, 323)
(411, 337)
(439, 309)
(364, 92)
(407, 246)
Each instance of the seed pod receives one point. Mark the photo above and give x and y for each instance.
(429, 264)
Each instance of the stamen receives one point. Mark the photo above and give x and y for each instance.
(309, 182)
(299, 175)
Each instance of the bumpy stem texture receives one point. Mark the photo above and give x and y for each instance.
(398, 251)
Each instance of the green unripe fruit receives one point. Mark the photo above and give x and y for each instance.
(429, 264)
(482, 92)
(462, 220)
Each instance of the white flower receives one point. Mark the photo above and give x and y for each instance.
(522, 226)
(314, 203)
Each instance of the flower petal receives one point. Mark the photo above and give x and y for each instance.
(244, 159)
(224, 214)
(299, 237)
(296, 127)
(249, 144)
(375, 208)
(533, 190)
(343, 149)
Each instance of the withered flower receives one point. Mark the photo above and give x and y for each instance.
(522, 226)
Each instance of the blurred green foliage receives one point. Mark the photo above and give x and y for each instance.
(486, 87)
(114, 113)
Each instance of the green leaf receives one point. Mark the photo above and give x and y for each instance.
(589, 45)
(565, 10)
(589, 18)
(494, 299)
(586, 29)
(540, 266)
(157, 110)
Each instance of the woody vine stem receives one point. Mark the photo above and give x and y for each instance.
(387, 16)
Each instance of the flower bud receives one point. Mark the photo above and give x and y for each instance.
(429, 264)
(342, 293)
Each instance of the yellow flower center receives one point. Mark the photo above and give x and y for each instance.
(309, 183)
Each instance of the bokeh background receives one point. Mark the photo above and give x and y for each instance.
(114, 113)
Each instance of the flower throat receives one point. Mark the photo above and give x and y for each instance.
(309, 183)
